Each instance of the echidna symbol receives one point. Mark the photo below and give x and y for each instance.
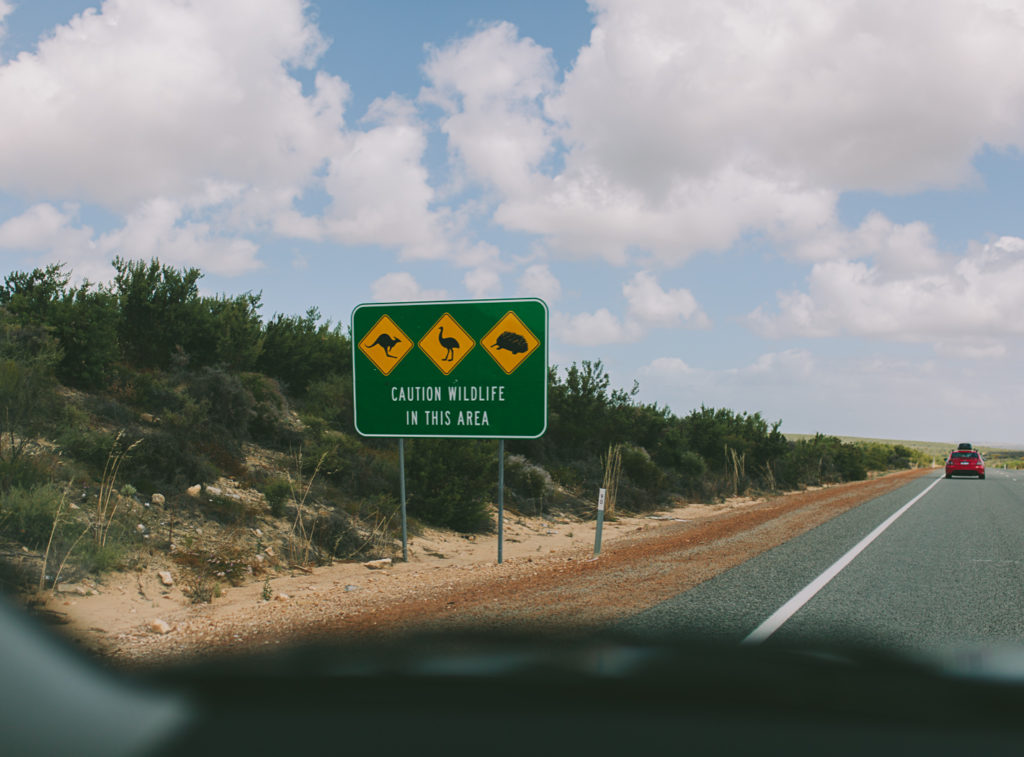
(514, 343)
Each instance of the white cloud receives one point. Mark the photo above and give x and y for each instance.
(49, 235)
(482, 282)
(768, 369)
(489, 86)
(976, 294)
(5, 10)
(538, 281)
(897, 249)
(478, 255)
(774, 384)
(688, 125)
(786, 366)
(585, 213)
(161, 228)
(192, 105)
(379, 186)
(973, 348)
(651, 304)
(666, 369)
(45, 228)
(600, 327)
(144, 99)
(912, 90)
(867, 396)
(402, 287)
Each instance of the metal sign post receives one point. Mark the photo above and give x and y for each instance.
(501, 497)
(600, 522)
(401, 472)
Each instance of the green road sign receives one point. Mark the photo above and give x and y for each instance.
(476, 369)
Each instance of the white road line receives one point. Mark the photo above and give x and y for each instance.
(791, 607)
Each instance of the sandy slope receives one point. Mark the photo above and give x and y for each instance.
(548, 577)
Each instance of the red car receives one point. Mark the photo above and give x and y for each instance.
(965, 462)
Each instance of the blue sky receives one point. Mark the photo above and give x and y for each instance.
(803, 209)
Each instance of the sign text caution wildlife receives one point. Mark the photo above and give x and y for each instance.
(475, 368)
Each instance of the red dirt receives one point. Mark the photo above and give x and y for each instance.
(569, 591)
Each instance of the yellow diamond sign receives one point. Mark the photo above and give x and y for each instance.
(509, 342)
(385, 345)
(446, 343)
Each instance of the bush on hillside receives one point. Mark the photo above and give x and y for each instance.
(29, 402)
(269, 422)
(330, 398)
(225, 406)
(298, 350)
(525, 485)
(277, 491)
(351, 465)
(450, 481)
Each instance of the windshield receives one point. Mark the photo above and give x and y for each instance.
(324, 320)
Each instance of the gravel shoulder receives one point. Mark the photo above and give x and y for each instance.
(548, 579)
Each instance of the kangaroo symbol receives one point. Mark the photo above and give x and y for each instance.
(387, 342)
(449, 343)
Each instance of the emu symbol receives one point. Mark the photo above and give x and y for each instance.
(449, 343)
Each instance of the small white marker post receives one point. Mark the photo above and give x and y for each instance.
(501, 496)
(600, 521)
(401, 469)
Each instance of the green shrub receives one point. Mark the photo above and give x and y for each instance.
(29, 402)
(33, 297)
(642, 472)
(226, 331)
(900, 457)
(226, 405)
(152, 391)
(205, 570)
(229, 510)
(298, 350)
(277, 491)
(820, 460)
(87, 445)
(25, 471)
(582, 477)
(90, 557)
(111, 409)
(165, 460)
(269, 422)
(450, 482)
(157, 308)
(525, 485)
(526, 480)
(28, 513)
(85, 322)
(331, 399)
(850, 463)
(333, 534)
(691, 472)
(351, 465)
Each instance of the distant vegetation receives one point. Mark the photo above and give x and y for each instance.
(928, 453)
(180, 388)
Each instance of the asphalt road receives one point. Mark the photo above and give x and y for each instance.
(947, 572)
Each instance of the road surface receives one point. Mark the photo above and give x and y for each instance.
(947, 571)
